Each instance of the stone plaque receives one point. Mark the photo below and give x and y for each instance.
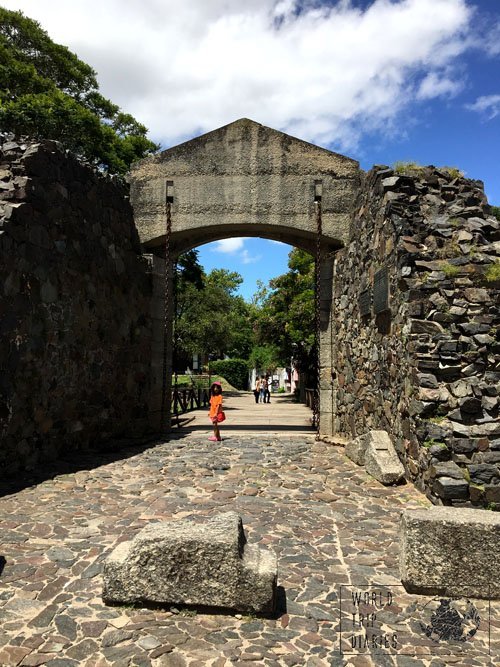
(365, 303)
(381, 291)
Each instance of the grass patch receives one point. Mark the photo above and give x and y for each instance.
(449, 270)
(186, 381)
(407, 168)
(431, 442)
(492, 273)
(454, 172)
(437, 420)
(415, 169)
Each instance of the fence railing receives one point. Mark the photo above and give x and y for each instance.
(189, 398)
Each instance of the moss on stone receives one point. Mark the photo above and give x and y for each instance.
(492, 273)
(449, 270)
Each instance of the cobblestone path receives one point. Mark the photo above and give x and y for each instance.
(330, 524)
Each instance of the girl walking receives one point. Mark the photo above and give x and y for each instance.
(256, 391)
(216, 410)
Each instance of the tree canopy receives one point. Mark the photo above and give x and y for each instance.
(211, 318)
(276, 327)
(285, 317)
(46, 91)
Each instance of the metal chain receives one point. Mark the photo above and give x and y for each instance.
(175, 350)
(317, 303)
(168, 234)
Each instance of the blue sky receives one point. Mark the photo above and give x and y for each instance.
(377, 80)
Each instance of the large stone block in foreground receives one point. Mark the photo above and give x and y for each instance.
(450, 551)
(376, 452)
(182, 562)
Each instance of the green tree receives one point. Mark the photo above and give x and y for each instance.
(211, 317)
(47, 92)
(265, 358)
(286, 312)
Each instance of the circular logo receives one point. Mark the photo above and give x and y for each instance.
(449, 619)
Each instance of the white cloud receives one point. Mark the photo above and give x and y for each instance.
(246, 258)
(491, 42)
(327, 73)
(236, 248)
(439, 85)
(228, 245)
(488, 105)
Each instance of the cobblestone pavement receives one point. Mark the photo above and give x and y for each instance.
(330, 524)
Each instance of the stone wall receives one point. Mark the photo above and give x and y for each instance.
(75, 331)
(426, 370)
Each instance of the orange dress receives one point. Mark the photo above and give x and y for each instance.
(215, 401)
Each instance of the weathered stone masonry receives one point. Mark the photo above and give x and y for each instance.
(75, 333)
(428, 370)
(409, 339)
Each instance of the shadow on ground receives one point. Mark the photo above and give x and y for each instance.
(107, 452)
(280, 607)
(258, 428)
(101, 454)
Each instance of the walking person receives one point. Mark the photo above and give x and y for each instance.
(256, 391)
(267, 395)
(263, 389)
(216, 414)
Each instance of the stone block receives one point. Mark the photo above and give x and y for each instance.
(445, 551)
(355, 449)
(483, 473)
(181, 562)
(426, 327)
(440, 452)
(492, 493)
(447, 469)
(380, 458)
(464, 445)
(449, 488)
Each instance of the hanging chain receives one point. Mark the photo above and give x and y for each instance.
(317, 303)
(168, 234)
(175, 327)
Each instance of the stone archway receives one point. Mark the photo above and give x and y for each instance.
(246, 179)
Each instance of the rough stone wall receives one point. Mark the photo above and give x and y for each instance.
(427, 371)
(75, 338)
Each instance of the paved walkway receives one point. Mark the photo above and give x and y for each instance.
(330, 524)
(244, 415)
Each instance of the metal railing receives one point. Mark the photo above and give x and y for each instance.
(189, 398)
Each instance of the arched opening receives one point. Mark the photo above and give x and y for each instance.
(247, 180)
(250, 318)
(185, 240)
(307, 354)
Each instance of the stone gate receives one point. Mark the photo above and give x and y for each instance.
(246, 179)
(410, 278)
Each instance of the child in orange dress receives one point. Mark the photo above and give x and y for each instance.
(215, 408)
